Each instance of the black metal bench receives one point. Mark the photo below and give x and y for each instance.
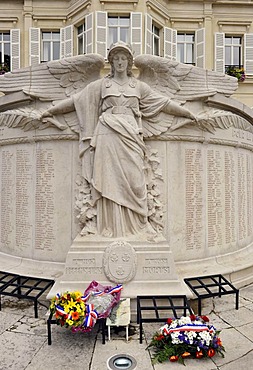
(158, 308)
(211, 286)
(24, 287)
(51, 320)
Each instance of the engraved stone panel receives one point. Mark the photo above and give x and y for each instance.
(37, 196)
(194, 201)
(215, 198)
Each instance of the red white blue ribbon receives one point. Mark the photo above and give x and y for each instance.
(91, 316)
(61, 311)
(116, 289)
(188, 327)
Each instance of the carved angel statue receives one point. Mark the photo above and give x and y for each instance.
(113, 116)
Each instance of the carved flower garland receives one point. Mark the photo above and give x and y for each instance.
(188, 337)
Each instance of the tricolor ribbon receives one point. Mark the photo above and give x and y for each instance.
(188, 327)
(91, 316)
(116, 289)
(61, 311)
(85, 297)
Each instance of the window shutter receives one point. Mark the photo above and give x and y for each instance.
(248, 53)
(200, 47)
(69, 41)
(89, 33)
(219, 53)
(15, 49)
(170, 43)
(136, 33)
(148, 35)
(62, 41)
(101, 33)
(66, 37)
(34, 46)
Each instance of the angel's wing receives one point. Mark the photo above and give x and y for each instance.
(54, 80)
(46, 82)
(182, 82)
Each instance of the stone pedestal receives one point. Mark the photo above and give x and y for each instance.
(144, 268)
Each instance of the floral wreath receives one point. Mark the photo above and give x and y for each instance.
(187, 337)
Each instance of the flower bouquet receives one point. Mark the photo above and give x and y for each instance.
(71, 311)
(188, 337)
(80, 311)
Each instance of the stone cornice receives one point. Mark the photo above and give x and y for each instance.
(48, 17)
(158, 8)
(77, 7)
(9, 19)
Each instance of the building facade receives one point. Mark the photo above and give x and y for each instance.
(216, 35)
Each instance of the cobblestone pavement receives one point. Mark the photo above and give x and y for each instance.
(23, 339)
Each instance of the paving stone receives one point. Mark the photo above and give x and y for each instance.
(247, 292)
(132, 347)
(247, 330)
(237, 317)
(29, 325)
(244, 363)
(236, 346)
(67, 351)
(17, 350)
(7, 320)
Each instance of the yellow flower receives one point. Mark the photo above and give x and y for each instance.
(77, 294)
(79, 309)
(72, 304)
(70, 322)
(67, 308)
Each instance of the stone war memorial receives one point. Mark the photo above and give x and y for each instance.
(142, 177)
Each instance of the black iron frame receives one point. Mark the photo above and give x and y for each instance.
(173, 303)
(211, 286)
(24, 287)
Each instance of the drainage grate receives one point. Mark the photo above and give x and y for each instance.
(121, 361)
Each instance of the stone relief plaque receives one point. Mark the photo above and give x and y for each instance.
(120, 262)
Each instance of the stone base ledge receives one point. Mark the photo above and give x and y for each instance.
(236, 266)
(30, 267)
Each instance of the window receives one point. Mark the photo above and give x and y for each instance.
(118, 29)
(233, 51)
(155, 40)
(110, 29)
(185, 48)
(5, 49)
(152, 36)
(50, 46)
(81, 39)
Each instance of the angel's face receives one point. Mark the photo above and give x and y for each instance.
(120, 62)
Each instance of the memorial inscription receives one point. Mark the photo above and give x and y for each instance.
(44, 200)
(194, 198)
(24, 182)
(215, 198)
(7, 198)
(242, 196)
(230, 198)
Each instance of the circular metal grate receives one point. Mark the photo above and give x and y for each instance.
(121, 361)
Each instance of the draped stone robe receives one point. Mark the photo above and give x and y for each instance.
(113, 151)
